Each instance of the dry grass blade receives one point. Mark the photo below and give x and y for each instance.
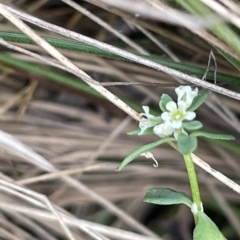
(126, 55)
(108, 231)
(222, 11)
(94, 84)
(15, 190)
(173, 16)
(106, 26)
(60, 143)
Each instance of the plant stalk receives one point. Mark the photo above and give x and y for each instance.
(193, 181)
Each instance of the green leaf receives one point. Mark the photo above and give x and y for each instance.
(166, 196)
(186, 144)
(193, 125)
(198, 100)
(230, 58)
(206, 229)
(137, 131)
(141, 150)
(212, 135)
(165, 98)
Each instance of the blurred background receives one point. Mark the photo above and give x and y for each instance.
(83, 135)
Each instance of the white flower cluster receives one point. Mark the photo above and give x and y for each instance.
(171, 121)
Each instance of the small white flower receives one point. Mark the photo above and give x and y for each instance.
(186, 94)
(171, 121)
(150, 155)
(177, 113)
(148, 120)
(163, 129)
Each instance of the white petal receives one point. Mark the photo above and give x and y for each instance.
(182, 106)
(146, 113)
(189, 93)
(143, 125)
(146, 110)
(165, 116)
(181, 90)
(171, 106)
(163, 129)
(190, 115)
(176, 124)
(190, 96)
(158, 129)
(143, 128)
(168, 130)
(146, 121)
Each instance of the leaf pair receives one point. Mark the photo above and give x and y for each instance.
(188, 143)
(205, 228)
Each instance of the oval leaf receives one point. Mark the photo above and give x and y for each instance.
(206, 229)
(186, 144)
(212, 135)
(193, 125)
(198, 100)
(166, 196)
(141, 150)
(165, 98)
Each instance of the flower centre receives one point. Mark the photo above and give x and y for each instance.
(178, 115)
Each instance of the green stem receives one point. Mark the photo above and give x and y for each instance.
(193, 181)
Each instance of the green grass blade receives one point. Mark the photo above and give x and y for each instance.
(85, 48)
